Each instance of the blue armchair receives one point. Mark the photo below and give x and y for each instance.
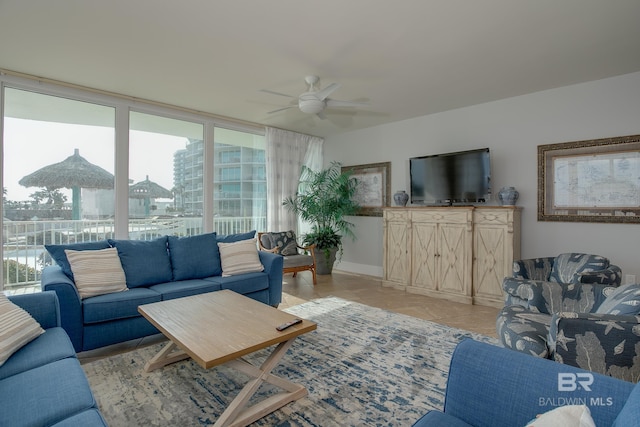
(572, 310)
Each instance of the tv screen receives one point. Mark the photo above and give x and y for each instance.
(451, 178)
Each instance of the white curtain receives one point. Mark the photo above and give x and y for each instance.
(286, 152)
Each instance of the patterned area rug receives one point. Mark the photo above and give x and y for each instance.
(362, 366)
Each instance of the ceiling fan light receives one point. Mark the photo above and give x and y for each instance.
(311, 106)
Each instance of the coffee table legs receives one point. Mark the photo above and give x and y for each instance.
(237, 413)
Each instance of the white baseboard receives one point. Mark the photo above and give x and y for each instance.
(352, 267)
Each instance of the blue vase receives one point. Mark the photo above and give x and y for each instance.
(401, 198)
(508, 196)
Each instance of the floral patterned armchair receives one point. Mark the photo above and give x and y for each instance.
(571, 309)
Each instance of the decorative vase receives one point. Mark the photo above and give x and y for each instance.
(401, 198)
(508, 196)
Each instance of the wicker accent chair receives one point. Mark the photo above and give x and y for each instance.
(296, 258)
(572, 309)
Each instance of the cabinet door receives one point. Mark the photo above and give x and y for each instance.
(396, 248)
(490, 258)
(424, 256)
(454, 271)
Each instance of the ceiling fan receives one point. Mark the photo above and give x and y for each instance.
(316, 100)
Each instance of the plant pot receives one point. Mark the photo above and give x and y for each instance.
(324, 264)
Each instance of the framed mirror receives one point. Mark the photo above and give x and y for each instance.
(590, 181)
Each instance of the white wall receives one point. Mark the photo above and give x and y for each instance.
(512, 128)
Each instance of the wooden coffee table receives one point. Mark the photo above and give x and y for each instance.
(221, 327)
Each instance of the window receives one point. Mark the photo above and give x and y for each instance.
(214, 175)
(57, 178)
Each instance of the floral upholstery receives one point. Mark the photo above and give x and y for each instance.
(587, 322)
(296, 258)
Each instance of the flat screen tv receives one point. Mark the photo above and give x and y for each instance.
(462, 177)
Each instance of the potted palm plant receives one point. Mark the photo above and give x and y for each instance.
(324, 199)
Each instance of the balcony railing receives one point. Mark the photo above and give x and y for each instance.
(23, 241)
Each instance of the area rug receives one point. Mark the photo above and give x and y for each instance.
(362, 366)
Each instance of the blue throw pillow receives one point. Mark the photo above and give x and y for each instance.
(58, 255)
(231, 238)
(194, 257)
(624, 300)
(144, 262)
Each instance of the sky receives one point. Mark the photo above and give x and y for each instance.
(30, 145)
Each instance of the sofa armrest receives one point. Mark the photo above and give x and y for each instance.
(273, 267)
(53, 279)
(535, 295)
(603, 343)
(490, 386)
(611, 276)
(42, 306)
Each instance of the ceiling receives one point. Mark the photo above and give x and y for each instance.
(406, 58)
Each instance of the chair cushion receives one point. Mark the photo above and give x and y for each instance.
(120, 305)
(567, 266)
(623, 300)
(239, 257)
(97, 272)
(297, 261)
(17, 328)
(144, 262)
(58, 255)
(194, 257)
(285, 241)
(523, 330)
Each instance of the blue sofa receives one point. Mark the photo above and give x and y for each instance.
(165, 268)
(490, 386)
(43, 384)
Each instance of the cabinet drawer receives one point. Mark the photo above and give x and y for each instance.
(442, 216)
(395, 215)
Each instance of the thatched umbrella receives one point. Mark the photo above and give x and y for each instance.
(148, 190)
(74, 172)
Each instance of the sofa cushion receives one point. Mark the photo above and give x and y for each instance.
(144, 262)
(567, 266)
(120, 305)
(194, 257)
(630, 413)
(45, 395)
(17, 328)
(184, 288)
(53, 345)
(439, 419)
(58, 255)
(623, 300)
(97, 272)
(230, 238)
(239, 257)
(243, 284)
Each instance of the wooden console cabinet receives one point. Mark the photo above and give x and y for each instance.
(458, 253)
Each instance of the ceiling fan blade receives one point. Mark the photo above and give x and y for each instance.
(281, 109)
(322, 94)
(276, 93)
(321, 115)
(337, 103)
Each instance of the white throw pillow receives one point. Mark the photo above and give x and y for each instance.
(17, 328)
(564, 416)
(97, 272)
(239, 257)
